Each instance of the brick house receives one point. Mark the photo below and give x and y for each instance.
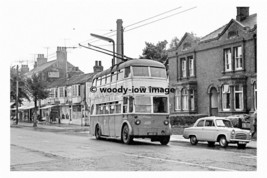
(216, 74)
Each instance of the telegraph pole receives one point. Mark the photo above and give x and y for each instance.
(17, 96)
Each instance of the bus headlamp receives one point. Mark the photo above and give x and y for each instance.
(166, 122)
(137, 122)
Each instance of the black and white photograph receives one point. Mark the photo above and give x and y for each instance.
(144, 88)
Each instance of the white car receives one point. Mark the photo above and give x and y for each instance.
(217, 129)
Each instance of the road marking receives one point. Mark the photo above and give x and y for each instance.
(180, 162)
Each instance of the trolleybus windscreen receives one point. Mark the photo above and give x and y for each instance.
(140, 71)
(158, 72)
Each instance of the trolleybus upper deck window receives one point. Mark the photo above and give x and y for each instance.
(140, 71)
(158, 72)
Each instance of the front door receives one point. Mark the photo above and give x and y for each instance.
(213, 102)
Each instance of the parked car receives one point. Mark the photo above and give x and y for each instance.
(217, 129)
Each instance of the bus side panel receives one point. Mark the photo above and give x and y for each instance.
(118, 121)
(112, 125)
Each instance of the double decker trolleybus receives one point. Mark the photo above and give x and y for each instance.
(128, 102)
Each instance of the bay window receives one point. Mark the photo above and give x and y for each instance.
(177, 99)
(238, 97)
(184, 99)
(226, 97)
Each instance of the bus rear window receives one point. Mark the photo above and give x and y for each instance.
(160, 105)
(140, 71)
(158, 72)
(143, 104)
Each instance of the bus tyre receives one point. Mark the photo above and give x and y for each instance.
(125, 135)
(165, 140)
(97, 132)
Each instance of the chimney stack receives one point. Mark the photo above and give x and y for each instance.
(41, 59)
(242, 13)
(24, 69)
(98, 67)
(119, 44)
(62, 60)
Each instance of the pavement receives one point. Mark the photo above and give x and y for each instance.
(65, 126)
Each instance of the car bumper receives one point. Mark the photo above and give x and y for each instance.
(238, 140)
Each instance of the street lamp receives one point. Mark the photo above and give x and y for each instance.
(110, 41)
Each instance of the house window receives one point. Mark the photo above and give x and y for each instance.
(226, 97)
(227, 60)
(52, 93)
(56, 93)
(238, 58)
(191, 66)
(61, 92)
(255, 95)
(184, 99)
(183, 67)
(75, 90)
(177, 99)
(238, 97)
(192, 100)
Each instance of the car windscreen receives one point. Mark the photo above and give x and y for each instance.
(223, 123)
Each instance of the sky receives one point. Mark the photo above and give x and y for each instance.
(32, 27)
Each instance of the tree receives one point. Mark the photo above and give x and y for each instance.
(22, 93)
(174, 43)
(37, 89)
(156, 52)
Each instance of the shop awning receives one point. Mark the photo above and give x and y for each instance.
(48, 106)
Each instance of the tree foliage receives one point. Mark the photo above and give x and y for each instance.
(22, 91)
(37, 90)
(174, 43)
(156, 52)
(159, 52)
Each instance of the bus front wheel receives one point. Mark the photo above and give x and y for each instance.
(97, 132)
(165, 140)
(125, 135)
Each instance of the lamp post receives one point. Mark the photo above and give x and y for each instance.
(109, 40)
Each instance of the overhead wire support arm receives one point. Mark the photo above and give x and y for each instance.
(109, 51)
(102, 52)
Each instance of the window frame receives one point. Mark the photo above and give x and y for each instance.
(224, 106)
(227, 60)
(177, 101)
(239, 58)
(241, 100)
(191, 66)
(184, 97)
(184, 67)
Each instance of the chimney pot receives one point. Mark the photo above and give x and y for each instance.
(242, 13)
(99, 63)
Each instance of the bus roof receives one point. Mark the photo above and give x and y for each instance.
(133, 62)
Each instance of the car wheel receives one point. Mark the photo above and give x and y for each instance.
(241, 145)
(97, 132)
(211, 144)
(125, 135)
(193, 140)
(165, 140)
(223, 142)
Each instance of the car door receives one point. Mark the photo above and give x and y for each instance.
(209, 130)
(198, 130)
